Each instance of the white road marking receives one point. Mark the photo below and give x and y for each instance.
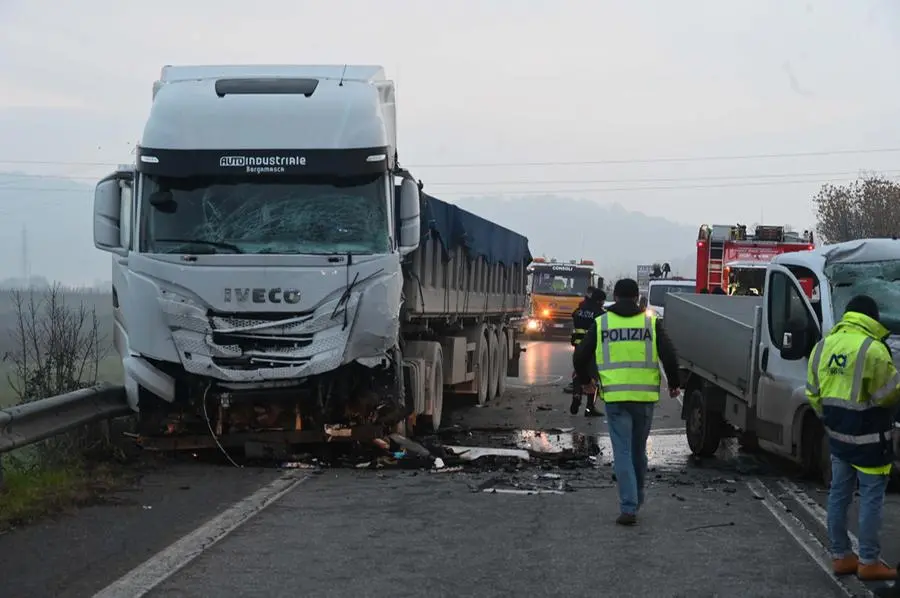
(816, 511)
(806, 539)
(146, 576)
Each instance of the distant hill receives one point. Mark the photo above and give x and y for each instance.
(615, 238)
(58, 215)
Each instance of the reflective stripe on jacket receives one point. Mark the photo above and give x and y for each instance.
(583, 317)
(852, 384)
(627, 359)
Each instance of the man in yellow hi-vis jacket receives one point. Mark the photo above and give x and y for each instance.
(623, 350)
(853, 386)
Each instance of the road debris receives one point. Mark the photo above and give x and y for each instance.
(471, 453)
(534, 485)
(709, 526)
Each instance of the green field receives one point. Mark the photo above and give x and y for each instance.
(110, 371)
(101, 303)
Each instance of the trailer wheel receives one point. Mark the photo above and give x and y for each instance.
(503, 362)
(482, 374)
(494, 379)
(702, 426)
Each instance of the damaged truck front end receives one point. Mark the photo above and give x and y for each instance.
(282, 377)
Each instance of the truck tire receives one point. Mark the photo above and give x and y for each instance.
(494, 348)
(702, 426)
(503, 362)
(151, 419)
(812, 443)
(482, 372)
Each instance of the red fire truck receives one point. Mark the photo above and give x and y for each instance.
(729, 257)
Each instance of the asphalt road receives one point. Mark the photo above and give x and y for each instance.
(728, 526)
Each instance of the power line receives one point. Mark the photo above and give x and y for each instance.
(548, 191)
(664, 159)
(555, 181)
(557, 163)
(664, 179)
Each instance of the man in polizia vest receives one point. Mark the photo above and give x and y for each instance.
(623, 350)
(853, 385)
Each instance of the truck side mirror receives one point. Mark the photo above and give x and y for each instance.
(410, 217)
(108, 225)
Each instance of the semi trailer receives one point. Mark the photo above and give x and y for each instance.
(744, 358)
(279, 278)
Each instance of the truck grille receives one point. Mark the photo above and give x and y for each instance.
(252, 346)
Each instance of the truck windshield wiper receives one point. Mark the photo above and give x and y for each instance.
(214, 244)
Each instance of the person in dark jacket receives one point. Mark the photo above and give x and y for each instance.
(629, 383)
(587, 297)
(583, 320)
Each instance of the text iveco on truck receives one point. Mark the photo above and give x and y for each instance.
(273, 282)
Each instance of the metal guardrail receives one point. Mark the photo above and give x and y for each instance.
(32, 422)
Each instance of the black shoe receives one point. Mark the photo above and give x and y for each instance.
(626, 519)
(569, 389)
(590, 411)
(576, 405)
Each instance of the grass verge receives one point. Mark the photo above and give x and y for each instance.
(61, 474)
(30, 493)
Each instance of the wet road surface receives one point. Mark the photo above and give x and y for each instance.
(539, 523)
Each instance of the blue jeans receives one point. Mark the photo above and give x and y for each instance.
(871, 501)
(629, 428)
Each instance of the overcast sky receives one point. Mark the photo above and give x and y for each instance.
(503, 81)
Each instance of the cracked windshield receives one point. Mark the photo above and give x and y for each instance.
(879, 280)
(284, 215)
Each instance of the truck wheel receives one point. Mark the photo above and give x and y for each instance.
(703, 427)
(811, 444)
(503, 362)
(494, 348)
(151, 419)
(482, 374)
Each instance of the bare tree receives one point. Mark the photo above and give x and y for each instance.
(868, 207)
(57, 344)
(57, 348)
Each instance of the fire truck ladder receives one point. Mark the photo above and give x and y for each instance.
(714, 264)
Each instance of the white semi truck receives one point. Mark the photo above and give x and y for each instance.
(744, 358)
(279, 278)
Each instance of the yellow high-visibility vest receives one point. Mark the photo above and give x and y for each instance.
(627, 358)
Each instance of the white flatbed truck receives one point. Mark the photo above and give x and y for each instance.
(744, 358)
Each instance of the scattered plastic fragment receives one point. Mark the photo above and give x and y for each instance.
(471, 453)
